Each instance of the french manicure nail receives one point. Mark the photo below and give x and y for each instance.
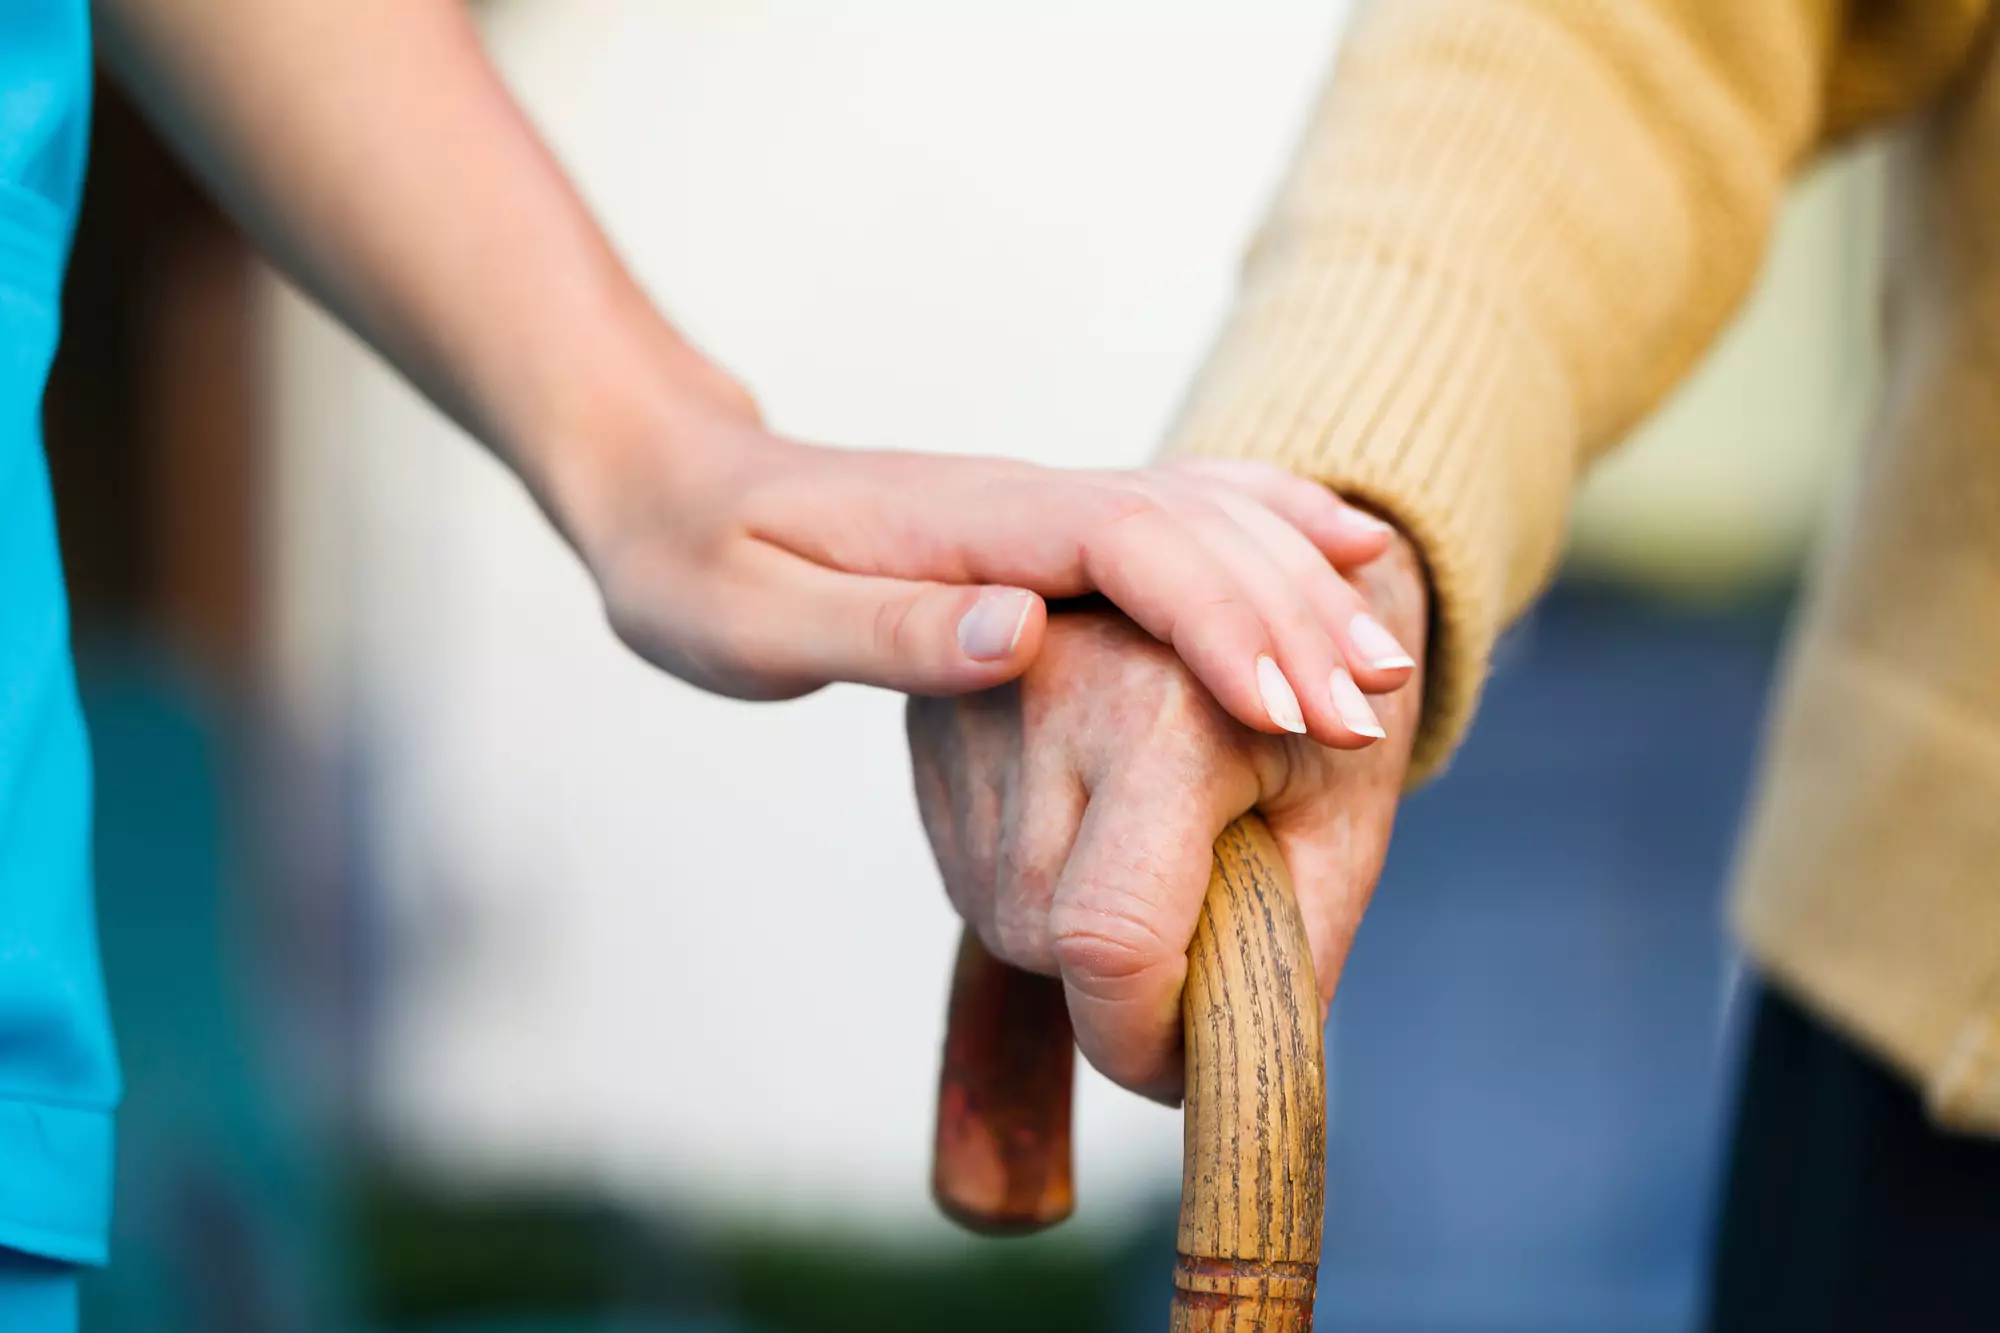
(1279, 701)
(1352, 705)
(1377, 645)
(992, 628)
(1364, 522)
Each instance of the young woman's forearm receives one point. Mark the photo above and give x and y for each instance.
(373, 152)
(371, 148)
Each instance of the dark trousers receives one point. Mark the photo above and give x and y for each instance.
(1845, 1210)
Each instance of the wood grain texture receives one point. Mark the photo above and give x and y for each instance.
(1253, 1185)
(1001, 1161)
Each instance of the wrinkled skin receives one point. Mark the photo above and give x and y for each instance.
(1073, 811)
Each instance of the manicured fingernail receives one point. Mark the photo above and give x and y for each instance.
(1377, 646)
(992, 628)
(1279, 701)
(1363, 522)
(1352, 705)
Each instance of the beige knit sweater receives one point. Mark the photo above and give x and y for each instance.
(1512, 227)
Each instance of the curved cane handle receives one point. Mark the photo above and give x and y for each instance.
(1254, 1163)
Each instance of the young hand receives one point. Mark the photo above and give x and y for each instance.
(762, 568)
(432, 219)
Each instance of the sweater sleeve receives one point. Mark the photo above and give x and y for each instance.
(1511, 228)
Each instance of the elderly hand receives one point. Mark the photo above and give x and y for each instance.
(1073, 814)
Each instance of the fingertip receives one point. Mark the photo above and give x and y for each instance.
(1341, 736)
(1353, 537)
(912, 637)
(1346, 538)
(1034, 632)
(1281, 701)
(1170, 1088)
(1271, 703)
(995, 628)
(1372, 650)
(1361, 525)
(1356, 714)
(1231, 654)
(1376, 681)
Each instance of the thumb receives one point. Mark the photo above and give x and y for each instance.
(907, 635)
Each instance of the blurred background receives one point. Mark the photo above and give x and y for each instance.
(470, 976)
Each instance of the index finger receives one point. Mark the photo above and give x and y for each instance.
(1125, 911)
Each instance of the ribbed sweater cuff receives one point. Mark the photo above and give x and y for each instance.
(1407, 390)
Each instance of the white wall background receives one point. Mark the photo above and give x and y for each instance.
(662, 944)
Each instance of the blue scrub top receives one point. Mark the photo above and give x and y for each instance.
(58, 1071)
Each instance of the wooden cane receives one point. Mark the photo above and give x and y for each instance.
(1253, 1179)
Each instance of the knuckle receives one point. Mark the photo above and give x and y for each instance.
(1203, 510)
(1026, 867)
(1123, 514)
(1020, 938)
(1106, 946)
(1221, 619)
(891, 634)
(1282, 769)
(1339, 591)
(1295, 617)
(1337, 605)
